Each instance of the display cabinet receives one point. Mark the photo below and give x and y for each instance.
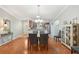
(71, 35)
(63, 34)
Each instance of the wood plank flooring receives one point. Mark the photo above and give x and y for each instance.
(20, 46)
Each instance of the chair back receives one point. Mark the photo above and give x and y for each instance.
(43, 39)
(33, 38)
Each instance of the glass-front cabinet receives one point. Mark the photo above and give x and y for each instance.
(71, 35)
(63, 34)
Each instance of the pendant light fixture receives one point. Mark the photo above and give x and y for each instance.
(38, 17)
(38, 11)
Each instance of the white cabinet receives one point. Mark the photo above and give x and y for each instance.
(63, 35)
(70, 35)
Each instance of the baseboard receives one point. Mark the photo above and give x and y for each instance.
(9, 40)
(5, 42)
(66, 45)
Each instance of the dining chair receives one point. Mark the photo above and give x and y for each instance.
(43, 41)
(33, 42)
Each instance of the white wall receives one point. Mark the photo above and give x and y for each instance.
(16, 25)
(54, 29)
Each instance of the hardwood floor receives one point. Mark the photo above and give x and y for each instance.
(20, 46)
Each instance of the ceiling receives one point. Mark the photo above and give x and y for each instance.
(24, 11)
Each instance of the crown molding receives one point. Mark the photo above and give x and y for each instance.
(65, 8)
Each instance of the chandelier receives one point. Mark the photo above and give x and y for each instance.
(38, 17)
